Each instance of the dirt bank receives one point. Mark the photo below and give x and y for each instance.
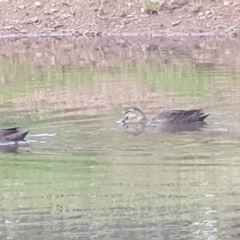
(120, 17)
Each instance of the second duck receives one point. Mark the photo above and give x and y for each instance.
(175, 117)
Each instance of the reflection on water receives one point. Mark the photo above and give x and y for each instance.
(81, 176)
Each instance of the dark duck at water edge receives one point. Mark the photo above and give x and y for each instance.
(12, 135)
(173, 120)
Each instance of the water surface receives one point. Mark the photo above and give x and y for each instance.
(81, 176)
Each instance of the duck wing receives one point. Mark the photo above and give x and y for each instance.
(8, 131)
(182, 116)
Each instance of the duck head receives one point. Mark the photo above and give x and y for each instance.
(132, 115)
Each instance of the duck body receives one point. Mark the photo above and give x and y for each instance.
(12, 135)
(181, 117)
(172, 117)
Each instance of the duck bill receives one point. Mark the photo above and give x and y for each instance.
(121, 121)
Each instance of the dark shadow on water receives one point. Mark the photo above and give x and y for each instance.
(9, 148)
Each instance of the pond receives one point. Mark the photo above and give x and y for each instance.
(82, 176)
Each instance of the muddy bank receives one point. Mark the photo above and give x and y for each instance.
(119, 18)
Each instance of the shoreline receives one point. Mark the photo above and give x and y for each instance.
(91, 34)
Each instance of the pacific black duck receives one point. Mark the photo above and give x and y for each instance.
(172, 117)
(12, 135)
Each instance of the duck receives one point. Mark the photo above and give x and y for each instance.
(12, 135)
(172, 117)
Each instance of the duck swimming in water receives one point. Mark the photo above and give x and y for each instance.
(173, 120)
(134, 114)
(12, 135)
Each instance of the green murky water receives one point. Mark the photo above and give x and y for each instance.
(81, 176)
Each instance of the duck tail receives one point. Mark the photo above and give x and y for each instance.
(203, 117)
(17, 136)
(22, 136)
